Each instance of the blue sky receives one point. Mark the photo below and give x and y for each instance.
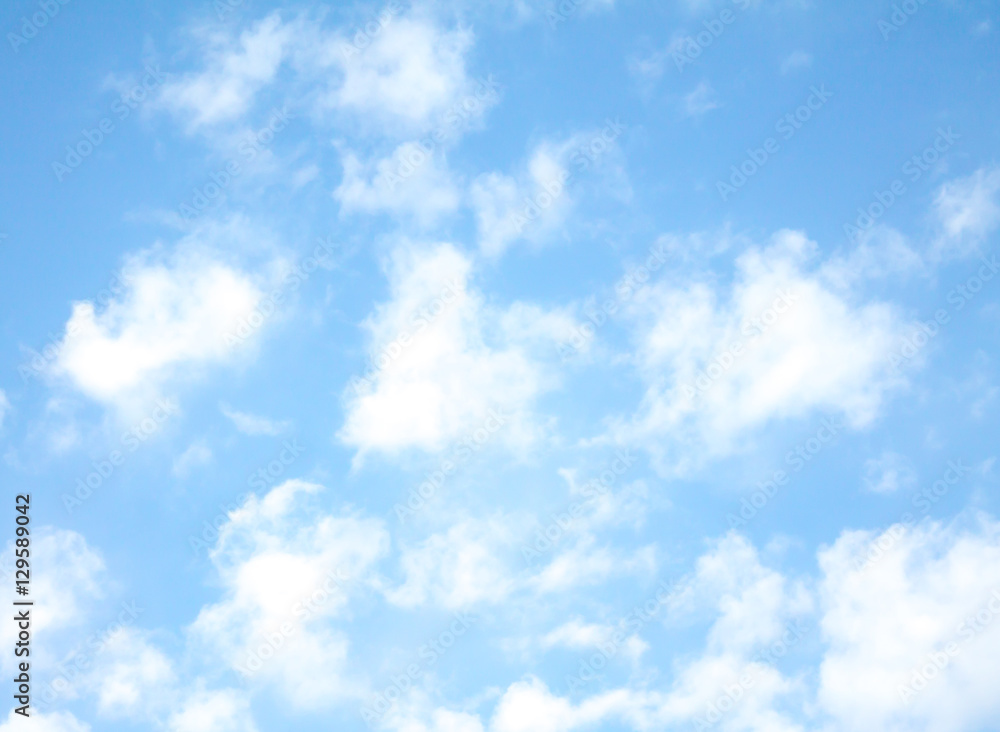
(524, 366)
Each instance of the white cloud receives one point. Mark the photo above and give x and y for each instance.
(413, 181)
(235, 71)
(174, 315)
(888, 615)
(4, 406)
(581, 636)
(132, 678)
(252, 424)
(403, 81)
(196, 455)
(753, 607)
(69, 576)
(443, 360)
(925, 604)
(483, 562)
(468, 564)
(406, 79)
(531, 206)
(881, 252)
(753, 602)
(779, 342)
(968, 209)
(889, 473)
(55, 722)
(533, 203)
(528, 706)
(286, 570)
(701, 100)
(213, 711)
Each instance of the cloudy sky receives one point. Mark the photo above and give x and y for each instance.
(517, 366)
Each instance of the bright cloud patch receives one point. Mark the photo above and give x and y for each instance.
(912, 620)
(286, 573)
(442, 361)
(412, 181)
(410, 74)
(235, 70)
(968, 209)
(779, 342)
(172, 316)
(534, 203)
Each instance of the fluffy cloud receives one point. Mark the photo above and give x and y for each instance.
(779, 342)
(533, 203)
(412, 181)
(753, 609)
(477, 562)
(443, 359)
(213, 711)
(580, 636)
(173, 315)
(912, 622)
(236, 69)
(132, 678)
(285, 570)
(968, 209)
(407, 78)
(459, 568)
(57, 722)
(68, 579)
